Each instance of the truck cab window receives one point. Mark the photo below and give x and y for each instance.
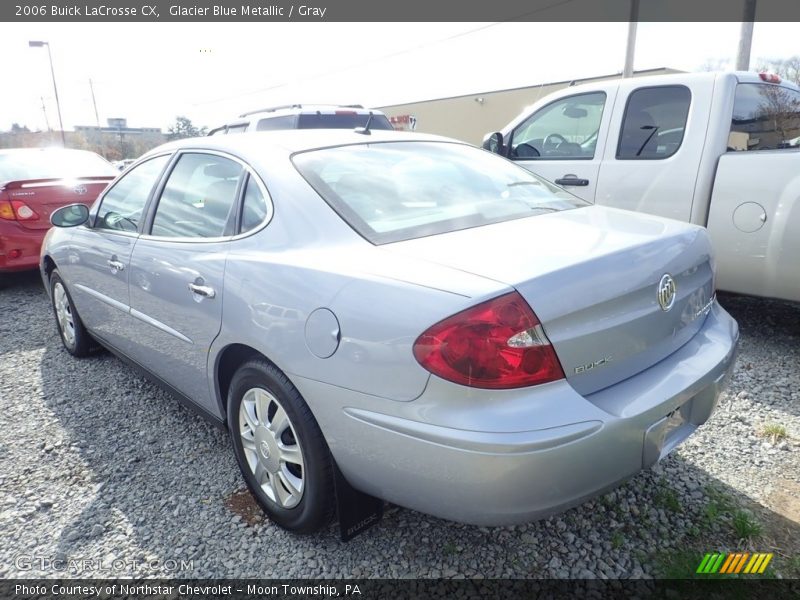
(654, 122)
(765, 117)
(565, 129)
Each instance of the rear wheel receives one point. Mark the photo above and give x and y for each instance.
(73, 334)
(280, 449)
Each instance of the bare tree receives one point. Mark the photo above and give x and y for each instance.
(716, 64)
(787, 68)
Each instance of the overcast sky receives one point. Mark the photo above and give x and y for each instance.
(151, 72)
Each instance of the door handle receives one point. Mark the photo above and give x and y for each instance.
(202, 290)
(115, 264)
(572, 180)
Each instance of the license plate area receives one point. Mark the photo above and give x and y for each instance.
(663, 436)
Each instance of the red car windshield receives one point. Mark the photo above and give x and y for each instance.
(52, 163)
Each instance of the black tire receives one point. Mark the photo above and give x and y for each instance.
(314, 507)
(74, 336)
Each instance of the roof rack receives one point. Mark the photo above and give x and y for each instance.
(285, 106)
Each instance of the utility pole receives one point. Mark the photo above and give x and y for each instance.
(94, 102)
(631, 47)
(746, 36)
(39, 44)
(46, 120)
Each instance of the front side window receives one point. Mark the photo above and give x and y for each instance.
(122, 206)
(566, 129)
(654, 122)
(198, 197)
(396, 191)
(765, 117)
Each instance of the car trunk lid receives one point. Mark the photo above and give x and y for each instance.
(43, 196)
(592, 276)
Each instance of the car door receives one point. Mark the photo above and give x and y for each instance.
(651, 162)
(563, 140)
(177, 270)
(100, 251)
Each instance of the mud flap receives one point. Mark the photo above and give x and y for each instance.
(357, 511)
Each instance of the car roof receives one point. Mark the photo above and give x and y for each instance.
(44, 149)
(295, 140)
(309, 109)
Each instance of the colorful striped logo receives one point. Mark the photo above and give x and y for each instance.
(737, 562)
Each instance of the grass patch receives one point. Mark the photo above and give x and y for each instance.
(792, 569)
(668, 499)
(679, 564)
(720, 506)
(773, 432)
(746, 525)
(450, 548)
(617, 540)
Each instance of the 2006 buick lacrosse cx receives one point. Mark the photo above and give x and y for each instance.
(404, 315)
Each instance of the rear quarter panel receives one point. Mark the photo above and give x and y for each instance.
(754, 223)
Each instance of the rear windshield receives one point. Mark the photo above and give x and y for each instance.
(342, 120)
(47, 164)
(765, 117)
(394, 191)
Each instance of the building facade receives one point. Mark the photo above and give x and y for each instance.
(472, 116)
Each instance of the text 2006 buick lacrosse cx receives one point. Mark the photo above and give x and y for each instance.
(453, 333)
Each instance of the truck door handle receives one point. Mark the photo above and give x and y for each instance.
(202, 290)
(572, 180)
(115, 264)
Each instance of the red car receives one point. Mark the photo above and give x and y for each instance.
(33, 183)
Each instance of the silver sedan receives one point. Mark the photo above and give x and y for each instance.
(397, 316)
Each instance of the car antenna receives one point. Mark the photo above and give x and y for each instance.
(365, 130)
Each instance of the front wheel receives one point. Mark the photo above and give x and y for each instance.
(73, 334)
(280, 449)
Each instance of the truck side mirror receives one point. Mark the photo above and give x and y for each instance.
(494, 143)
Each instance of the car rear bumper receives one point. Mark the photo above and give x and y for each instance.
(528, 453)
(27, 242)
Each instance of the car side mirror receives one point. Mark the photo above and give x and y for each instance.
(70, 216)
(494, 143)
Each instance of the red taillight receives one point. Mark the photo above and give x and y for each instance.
(23, 212)
(498, 344)
(769, 77)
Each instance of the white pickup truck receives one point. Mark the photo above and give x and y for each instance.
(716, 149)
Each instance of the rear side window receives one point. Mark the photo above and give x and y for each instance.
(654, 123)
(122, 205)
(198, 197)
(393, 191)
(765, 117)
(341, 120)
(254, 207)
(284, 122)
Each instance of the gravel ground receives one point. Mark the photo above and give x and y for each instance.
(103, 474)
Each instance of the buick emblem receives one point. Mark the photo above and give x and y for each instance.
(79, 189)
(666, 292)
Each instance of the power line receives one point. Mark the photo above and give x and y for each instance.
(387, 56)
